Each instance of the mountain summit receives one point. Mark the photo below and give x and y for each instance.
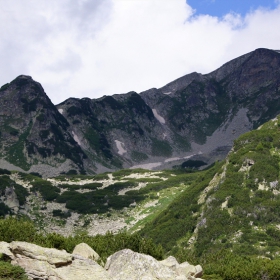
(195, 116)
(34, 135)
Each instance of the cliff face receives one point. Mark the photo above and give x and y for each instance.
(197, 105)
(195, 114)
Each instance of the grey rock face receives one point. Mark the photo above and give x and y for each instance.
(33, 131)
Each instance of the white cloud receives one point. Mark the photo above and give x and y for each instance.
(78, 48)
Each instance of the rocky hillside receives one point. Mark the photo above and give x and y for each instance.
(196, 115)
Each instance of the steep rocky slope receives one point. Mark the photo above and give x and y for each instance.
(211, 110)
(34, 136)
(195, 115)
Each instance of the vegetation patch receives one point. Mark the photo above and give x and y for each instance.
(193, 164)
(15, 152)
(10, 272)
(46, 189)
(161, 148)
(61, 214)
(100, 200)
(98, 142)
(105, 245)
(138, 156)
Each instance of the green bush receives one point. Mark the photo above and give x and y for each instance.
(228, 266)
(11, 272)
(177, 221)
(6, 182)
(22, 230)
(4, 209)
(4, 171)
(60, 213)
(12, 229)
(46, 189)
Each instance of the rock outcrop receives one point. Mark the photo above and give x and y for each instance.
(86, 251)
(127, 264)
(52, 264)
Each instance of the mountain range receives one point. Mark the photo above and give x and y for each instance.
(195, 118)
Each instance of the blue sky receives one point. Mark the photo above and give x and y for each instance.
(221, 7)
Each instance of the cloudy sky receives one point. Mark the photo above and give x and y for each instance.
(91, 48)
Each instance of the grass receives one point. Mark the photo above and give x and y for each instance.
(164, 197)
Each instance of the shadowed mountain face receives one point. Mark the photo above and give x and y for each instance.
(196, 114)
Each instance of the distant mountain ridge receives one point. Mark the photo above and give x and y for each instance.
(196, 114)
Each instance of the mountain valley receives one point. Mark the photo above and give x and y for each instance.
(190, 170)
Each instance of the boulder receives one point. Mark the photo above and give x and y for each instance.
(35, 252)
(126, 264)
(86, 251)
(199, 271)
(52, 264)
(82, 269)
(190, 270)
(170, 262)
(5, 250)
(184, 269)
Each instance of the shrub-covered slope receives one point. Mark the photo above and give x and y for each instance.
(231, 210)
(125, 199)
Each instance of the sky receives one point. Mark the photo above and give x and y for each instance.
(220, 8)
(91, 48)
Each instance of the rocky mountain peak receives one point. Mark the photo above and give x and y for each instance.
(249, 60)
(196, 114)
(34, 134)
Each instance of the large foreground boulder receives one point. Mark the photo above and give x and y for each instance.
(127, 264)
(5, 250)
(51, 264)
